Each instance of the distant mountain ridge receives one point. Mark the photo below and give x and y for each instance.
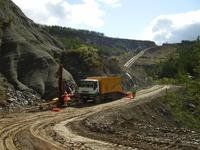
(107, 45)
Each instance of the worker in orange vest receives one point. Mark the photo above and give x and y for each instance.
(66, 97)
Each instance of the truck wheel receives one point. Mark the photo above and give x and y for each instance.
(97, 99)
(83, 101)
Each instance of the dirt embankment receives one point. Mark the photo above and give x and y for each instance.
(144, 125)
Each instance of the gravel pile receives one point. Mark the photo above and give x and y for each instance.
(19, 99)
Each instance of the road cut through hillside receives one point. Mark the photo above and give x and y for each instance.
(61, 130)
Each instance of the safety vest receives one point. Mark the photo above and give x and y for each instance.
(66, 97)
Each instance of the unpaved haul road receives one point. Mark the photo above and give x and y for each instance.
(131, 61)
(51, 130)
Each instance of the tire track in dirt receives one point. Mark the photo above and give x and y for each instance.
(63, 128)
(38, 129)
(37, 126)
(8, 133)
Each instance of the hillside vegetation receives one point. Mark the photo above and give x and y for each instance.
(72, 39)
(89, 53)
(184, 69)
(82, 61)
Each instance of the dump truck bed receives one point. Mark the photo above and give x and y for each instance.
(108, 84)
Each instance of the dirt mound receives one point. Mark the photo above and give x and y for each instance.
(146, 126)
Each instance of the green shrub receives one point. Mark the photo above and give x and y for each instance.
(88, 55)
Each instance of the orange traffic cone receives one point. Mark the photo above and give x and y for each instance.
(56, 109)
(130, 95)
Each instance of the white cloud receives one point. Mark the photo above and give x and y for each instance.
(88, 13)
(113, 3)
(174, 28)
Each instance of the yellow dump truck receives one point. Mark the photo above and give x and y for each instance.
(100, 88)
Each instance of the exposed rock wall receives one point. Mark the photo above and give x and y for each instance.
(27, 52)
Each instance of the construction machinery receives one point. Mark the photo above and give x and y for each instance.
(97, 89)
(100, 88)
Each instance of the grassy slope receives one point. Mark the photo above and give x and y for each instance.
(185, 108)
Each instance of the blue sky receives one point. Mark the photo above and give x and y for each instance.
(158, 20)
(133, 16)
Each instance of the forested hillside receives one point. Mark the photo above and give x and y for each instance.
(183, 69)
(109, 46)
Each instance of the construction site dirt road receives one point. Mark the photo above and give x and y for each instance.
(58, 130)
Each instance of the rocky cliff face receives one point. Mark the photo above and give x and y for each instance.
(27, 52)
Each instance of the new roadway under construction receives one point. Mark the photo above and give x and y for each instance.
(65, 129)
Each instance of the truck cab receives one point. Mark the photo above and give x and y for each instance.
(88, 88)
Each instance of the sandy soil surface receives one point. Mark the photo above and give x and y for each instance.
(71, 127)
